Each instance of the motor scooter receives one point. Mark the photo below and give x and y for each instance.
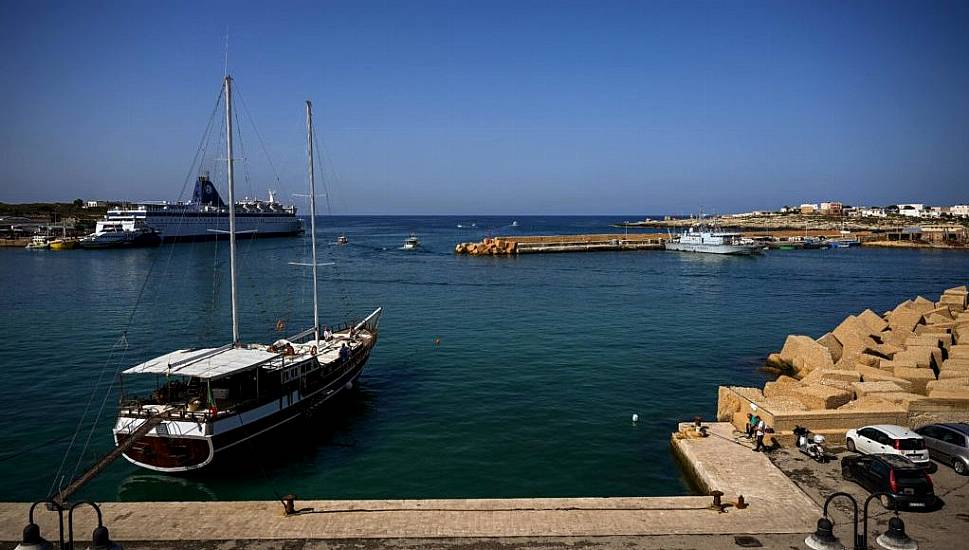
(811, 444)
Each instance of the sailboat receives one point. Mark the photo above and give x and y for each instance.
(213, 399)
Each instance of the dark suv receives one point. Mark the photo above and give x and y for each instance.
(906, 482)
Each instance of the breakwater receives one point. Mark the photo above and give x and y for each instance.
(907, 366)
(504, 246)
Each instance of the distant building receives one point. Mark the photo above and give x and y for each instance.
(959, 210)
(943, 233)
(95, 204)
(808, 208)
(831, 208)
(873, 212)
(911, 210)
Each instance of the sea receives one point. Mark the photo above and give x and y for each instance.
(493, 376)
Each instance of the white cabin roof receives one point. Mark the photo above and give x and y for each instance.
(204, 363)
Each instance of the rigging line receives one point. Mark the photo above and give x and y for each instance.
(80, 421)
(97, 418)
(252, 122)
(344, 292)
(242, 152)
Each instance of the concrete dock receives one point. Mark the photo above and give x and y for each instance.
(776, 506)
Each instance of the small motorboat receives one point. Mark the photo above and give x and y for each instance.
(342, 239)
(39, 242)
(514, 223)
(65, 243)
(412, 243)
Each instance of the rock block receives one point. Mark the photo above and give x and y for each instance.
(937, 319)
(930, 340)
(854, 335)
(905, 320)
(780, 386)
(954, 372)
(873, 320)
(805, 354)
(903, 399)
(959, 351)
(833, 345)
(816, 397)
(920, 355)
(861, 389)
(869, 374)
(922, 305)
(871, 403)
(948, 383)
(918, 377)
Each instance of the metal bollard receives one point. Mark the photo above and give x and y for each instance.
(717, 504)
(741, 504)
(289, 504)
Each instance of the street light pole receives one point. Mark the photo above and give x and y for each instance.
(893, 539)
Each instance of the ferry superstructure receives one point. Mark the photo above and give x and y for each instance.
(206, 216)
(699, 239)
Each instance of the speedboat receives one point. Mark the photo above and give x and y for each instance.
(412, 242)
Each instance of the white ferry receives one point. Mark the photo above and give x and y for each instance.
(696, 239)
(207, 216)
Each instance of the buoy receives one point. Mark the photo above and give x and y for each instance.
(635, 417)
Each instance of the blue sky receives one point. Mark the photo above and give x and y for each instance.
(520, 107)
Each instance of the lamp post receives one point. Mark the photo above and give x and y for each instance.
(32, 540)
(893, 539)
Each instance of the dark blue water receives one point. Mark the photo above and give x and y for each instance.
(543, 358)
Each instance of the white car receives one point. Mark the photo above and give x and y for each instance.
(888, 439)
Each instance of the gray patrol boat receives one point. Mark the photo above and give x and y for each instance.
(700, 239)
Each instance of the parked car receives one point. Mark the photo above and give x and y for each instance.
(948, 444)
(907, 483)
(889, 439)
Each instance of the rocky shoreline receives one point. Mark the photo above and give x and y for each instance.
(907, 366)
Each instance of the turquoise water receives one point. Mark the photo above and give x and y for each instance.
(542, 359)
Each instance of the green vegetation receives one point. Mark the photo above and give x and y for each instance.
(49, 210)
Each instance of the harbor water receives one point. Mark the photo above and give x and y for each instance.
(493, 377)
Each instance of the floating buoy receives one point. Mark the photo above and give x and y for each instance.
(635, 417)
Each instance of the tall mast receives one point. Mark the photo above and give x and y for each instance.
(309, 149)
(232, 208)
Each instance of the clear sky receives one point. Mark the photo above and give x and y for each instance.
(521, 107)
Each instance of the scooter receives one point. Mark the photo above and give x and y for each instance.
(811, 444)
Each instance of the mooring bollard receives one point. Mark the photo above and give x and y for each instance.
(741, 504)
(717, 504)
(289, 504)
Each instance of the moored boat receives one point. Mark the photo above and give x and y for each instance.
(213, 399)
(698, 239)
(65, 243)
(342, 239)
(38, 242)
(110, 233)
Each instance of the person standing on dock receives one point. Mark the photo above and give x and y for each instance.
(760, 430)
